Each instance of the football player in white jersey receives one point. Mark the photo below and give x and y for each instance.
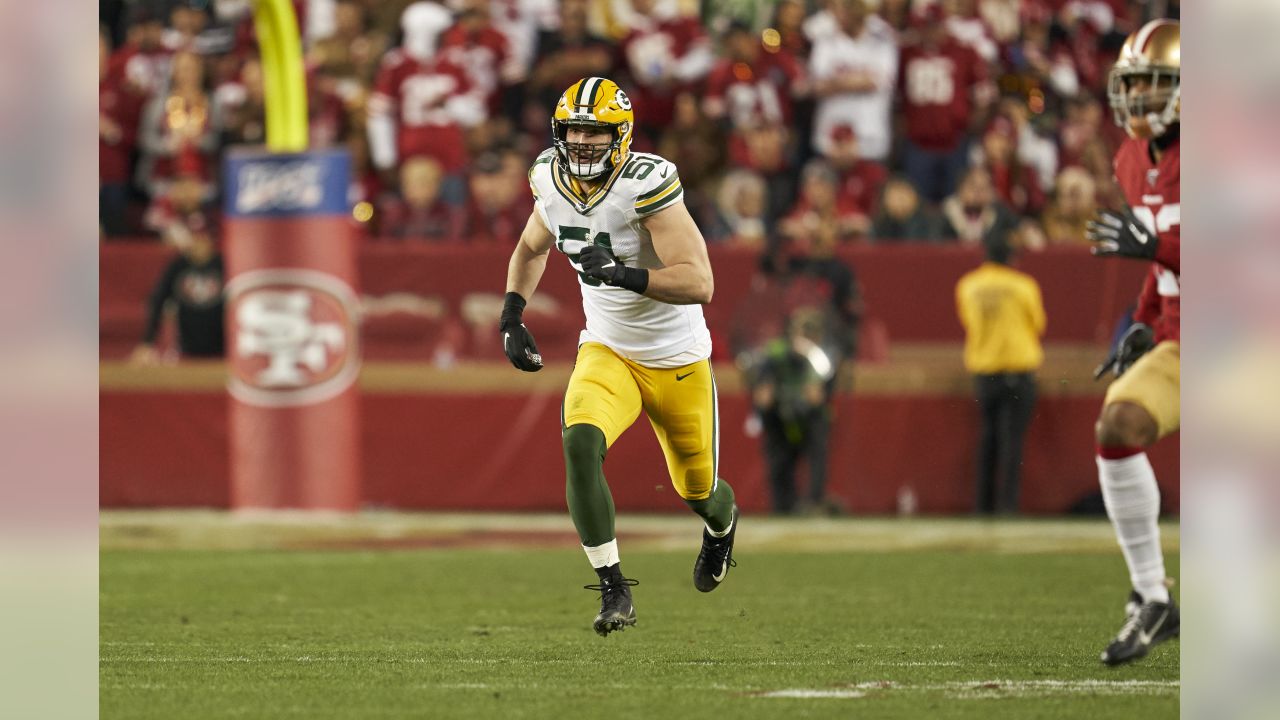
(644, 273)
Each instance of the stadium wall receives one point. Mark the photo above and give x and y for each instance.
(501, 451)
(431, 441)
(425, 295)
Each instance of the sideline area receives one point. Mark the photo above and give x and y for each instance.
(369, 530)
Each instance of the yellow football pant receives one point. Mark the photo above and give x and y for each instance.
(608, 391)
(1153, 383)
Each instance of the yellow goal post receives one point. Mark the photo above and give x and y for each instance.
(285, 83)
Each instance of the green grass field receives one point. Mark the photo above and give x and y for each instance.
(208, 616)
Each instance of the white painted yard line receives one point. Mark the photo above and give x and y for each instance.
(814, 694)
(982, 689)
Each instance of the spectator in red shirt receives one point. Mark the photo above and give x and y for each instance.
(664, 54)
(942, 84)
(422, 103)
(1083, 124)
(820, 220)
(1015, 183)
(142, 61)
(765, 150)
(859, 181)
(419, 212)
(751, 85)
(186, 195)
(495, 211)
(479, 48)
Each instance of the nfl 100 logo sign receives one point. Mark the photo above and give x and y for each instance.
(293, 337)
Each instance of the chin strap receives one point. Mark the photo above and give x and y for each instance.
(1160, 122)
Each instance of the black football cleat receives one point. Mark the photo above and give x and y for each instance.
(616, 610)
(1152, 624)
(1132, 605)
(715, 559)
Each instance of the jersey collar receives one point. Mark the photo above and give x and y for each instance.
(567, 186)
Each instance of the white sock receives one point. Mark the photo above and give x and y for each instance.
(603, 555)
(1132, 497)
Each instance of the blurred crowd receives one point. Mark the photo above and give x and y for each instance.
(803, 124)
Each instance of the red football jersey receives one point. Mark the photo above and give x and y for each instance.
(755, 93)
(651, 52)
(935, 87)
(418, 95)
(1152, 190)
(482, 53)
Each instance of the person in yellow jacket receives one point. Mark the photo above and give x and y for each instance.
(1003, 318)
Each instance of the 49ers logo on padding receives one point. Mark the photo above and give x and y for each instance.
(293, 337)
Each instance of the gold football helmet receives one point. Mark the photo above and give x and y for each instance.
(1144, 86)
(599, 104)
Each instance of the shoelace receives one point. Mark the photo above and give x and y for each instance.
(1130, 625)
(610, 588)
(717, 552)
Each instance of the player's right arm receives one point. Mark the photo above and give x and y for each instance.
(528, 261)
(530, 257)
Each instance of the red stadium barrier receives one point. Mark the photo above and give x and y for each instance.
(501, 451)
(909, 290)
(499, 448)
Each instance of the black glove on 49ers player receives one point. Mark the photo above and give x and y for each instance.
(1135, 343)
(517, 342)
(1121, 234)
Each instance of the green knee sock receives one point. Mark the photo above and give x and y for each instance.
(590, 503)
(716, 509)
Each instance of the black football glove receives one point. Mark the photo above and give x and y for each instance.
(598, 262)
(1116, 234)
(517, 341)
(1135, 343)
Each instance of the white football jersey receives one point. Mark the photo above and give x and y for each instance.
(646, 331)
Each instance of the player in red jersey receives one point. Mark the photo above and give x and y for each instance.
(1142, 405)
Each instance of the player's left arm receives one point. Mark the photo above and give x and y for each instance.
(685, 278)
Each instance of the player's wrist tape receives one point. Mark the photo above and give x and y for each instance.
(512, 310)
(634, 279)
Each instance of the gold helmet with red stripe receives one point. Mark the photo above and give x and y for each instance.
(599, 104)
(1144, 86)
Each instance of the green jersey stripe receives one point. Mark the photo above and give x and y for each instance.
(664, 203)
(658, 190)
